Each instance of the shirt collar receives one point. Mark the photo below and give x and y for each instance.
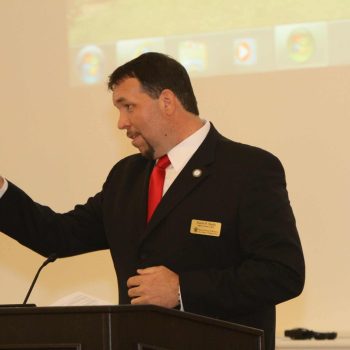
(182, 152)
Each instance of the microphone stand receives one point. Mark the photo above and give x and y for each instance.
(50, 259)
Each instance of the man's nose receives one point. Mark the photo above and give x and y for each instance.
(123, 122)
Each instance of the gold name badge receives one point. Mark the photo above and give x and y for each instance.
(207, 228)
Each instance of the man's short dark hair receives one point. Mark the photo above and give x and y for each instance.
(156, 72)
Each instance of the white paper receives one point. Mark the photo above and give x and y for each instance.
(79, 299)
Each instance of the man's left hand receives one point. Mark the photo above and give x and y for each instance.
(155, 285)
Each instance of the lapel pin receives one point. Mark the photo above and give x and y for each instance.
(196, 172)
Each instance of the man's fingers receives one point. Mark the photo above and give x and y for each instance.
(134, 292)
(149, 270)
(137, 280)
(134, 281)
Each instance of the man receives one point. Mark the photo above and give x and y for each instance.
(222, 242)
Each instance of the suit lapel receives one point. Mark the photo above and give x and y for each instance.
(186, 181)
(141, 207)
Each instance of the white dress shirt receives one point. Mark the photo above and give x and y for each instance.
(181, 154)
(3, 188)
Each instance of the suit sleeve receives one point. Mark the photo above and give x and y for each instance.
(45, 231)
(271, 268)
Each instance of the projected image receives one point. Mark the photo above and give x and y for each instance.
(193, 55)
(90, 62)
(301, 45)
(219, 37)
(245, 51)
(129, 49)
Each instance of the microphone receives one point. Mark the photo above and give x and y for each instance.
(50, 259)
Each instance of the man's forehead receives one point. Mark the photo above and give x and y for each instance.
(127, 90)
(127, 83)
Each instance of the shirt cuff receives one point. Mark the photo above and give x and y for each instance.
(4, 187)
(180, 300)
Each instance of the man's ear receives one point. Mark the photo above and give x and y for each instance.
(168, 101)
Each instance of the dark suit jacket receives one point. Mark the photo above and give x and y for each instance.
(254, 264)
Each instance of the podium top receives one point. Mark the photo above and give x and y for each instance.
(120, 309)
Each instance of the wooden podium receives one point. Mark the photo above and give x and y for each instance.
(122, 327)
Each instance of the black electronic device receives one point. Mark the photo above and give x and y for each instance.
(303, 333)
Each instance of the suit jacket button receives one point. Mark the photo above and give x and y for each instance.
(143, 256)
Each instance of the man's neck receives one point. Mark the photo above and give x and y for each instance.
(186, 127)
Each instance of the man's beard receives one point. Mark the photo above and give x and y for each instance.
(149, 152)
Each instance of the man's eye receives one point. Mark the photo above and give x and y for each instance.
(129, 107)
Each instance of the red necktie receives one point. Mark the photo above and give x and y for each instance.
(156, 183)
